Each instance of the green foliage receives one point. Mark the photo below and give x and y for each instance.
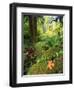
(42, 68)
(38, 68)
(26, 23)
(26, 28)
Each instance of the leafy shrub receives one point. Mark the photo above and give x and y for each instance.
(39, 45)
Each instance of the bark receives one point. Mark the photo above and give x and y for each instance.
(33, 27)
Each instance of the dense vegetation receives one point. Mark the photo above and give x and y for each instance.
(43, 44)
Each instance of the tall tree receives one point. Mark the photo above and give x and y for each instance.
(33, 27)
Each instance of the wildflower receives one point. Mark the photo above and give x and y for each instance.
(50, 64)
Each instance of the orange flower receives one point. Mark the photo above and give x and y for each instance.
(51, 64)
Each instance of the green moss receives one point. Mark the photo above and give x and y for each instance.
(38, 68)
(42, 68)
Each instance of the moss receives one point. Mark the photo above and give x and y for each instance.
(38, 68)
(42, 68)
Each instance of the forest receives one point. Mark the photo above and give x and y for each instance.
(42, 44)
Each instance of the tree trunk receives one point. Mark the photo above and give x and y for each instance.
(33, 27)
